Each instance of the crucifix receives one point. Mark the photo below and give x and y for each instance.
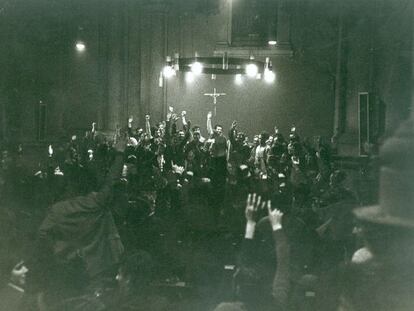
(214, 95)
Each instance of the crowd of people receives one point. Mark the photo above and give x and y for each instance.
(109, 215)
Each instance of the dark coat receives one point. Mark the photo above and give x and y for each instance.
(84, 227)
(11, 299)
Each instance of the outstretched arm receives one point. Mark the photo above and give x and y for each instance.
(174, 119)
(183, 118)
(93, 130)
(232, 133)
(148, 125)
(101, 197)
(186, 136)
(247, 252)
(281, 286)
(129, 129)
(209, 125)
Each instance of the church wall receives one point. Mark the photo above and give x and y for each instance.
(378, 62)
(302, 94)
(127, 41)
(41, 64)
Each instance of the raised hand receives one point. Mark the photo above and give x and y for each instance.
(234, 125)
(253, 205)
(183, 113)
(50, 150)
(178, 169)
(275, 217)
(209, 115)
(295, 162)
(130, 119)
(147, 117)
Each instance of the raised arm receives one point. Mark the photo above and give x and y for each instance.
(101, 197)
(148, 125)
(187, 135)
(174, 119)
(281, 285)
(183, 118)
(93, 130)
(232, 132)
(129, 128)
(209, 125)
(253, 205)
(248, 250)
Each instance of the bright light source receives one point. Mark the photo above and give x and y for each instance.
(269, 76)
(80, 46)
(197, 68)
(168, 72)
(272, 42)
(238, 79)
(259, 76)
(189, 77)
(252, 70)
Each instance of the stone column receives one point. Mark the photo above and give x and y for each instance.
(340, 89)
(283, 25)
(412, 63)
(154, 44)
(133, 55)
(117, 65)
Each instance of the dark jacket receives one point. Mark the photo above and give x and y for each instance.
(83, 227)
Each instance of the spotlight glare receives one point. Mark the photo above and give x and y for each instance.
(272, 42)
(238, 79)
(168, 72)
(189, 77)
(251, 70)
(80, 46)
(269, 76)
(197, 68)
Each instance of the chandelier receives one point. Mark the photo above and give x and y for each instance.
(239, 67)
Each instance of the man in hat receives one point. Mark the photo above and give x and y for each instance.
(381, 275)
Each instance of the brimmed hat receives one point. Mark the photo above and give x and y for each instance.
(396, 192)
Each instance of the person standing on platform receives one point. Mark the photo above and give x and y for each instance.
(217, 146)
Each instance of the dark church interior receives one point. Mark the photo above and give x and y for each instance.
(206, 155)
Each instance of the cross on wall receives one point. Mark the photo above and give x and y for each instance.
(214, 95)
